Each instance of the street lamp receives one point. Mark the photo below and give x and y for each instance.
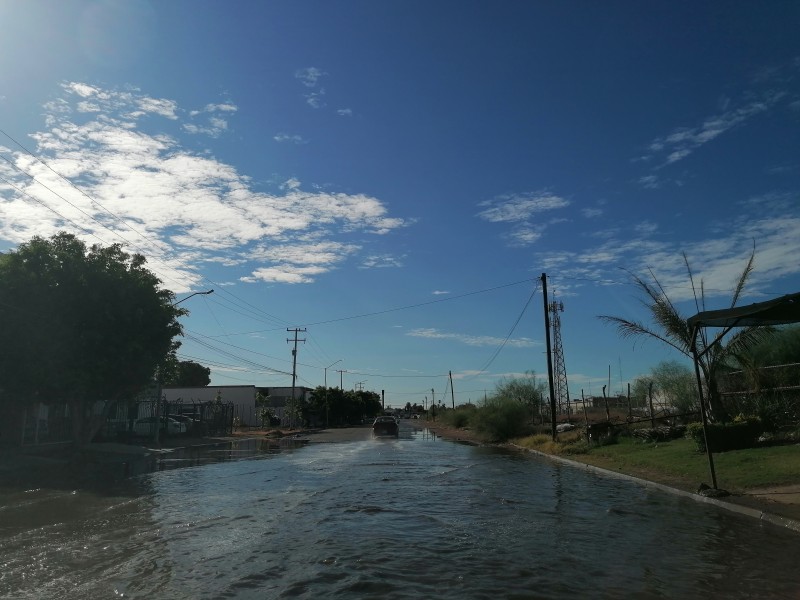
(158, 386)
(327, 408)
(194, 294)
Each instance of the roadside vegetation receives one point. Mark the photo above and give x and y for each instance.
(678, 462)
(512, 411)
(89, 326)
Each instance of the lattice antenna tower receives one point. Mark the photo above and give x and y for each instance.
(559, 367)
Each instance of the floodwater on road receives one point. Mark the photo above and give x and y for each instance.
(415, 517)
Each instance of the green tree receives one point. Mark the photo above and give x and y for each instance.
(187, 373)
(88, 327)
(344, 407)
(670, 327)
(673, 384)
(527, 390)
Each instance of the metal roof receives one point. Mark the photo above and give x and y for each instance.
(778, 311)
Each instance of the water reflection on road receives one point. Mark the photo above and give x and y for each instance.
(414, 517)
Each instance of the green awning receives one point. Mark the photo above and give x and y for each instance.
(779, 311)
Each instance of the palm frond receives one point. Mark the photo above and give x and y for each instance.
(744, 276)
(702, 300)
(627, 329)
(747, 338)
(662, 292)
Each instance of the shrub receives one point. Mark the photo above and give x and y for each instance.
(662, 433)
(741, 433)
(460, 417)
(499, 420)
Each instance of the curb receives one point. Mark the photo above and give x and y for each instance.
(755, 513)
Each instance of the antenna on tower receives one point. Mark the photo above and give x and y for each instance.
(559, 367)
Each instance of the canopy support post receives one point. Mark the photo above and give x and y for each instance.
(703, 409)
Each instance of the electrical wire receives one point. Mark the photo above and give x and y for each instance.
(505, 341)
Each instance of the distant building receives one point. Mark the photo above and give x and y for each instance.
(243, 398)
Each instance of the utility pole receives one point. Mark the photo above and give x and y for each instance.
(452, 391)
(294, 368)
(341, 378)
(327, 405)
(549, 356)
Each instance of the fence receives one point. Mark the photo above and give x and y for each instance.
(45, 424)
(127, 421)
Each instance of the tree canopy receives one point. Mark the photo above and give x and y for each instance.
(673, 383)
(187, 373)
(337, 407)
(81, 325)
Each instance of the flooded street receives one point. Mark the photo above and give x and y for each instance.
(414, 517)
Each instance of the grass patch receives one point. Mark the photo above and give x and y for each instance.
(678, 463)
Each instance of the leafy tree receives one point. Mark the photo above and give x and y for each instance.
(673, 383)
(340, 407)
(89, 327)
(671, 328)
(187, 373)
(527, 390)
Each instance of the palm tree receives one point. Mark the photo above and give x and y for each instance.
(671, 328)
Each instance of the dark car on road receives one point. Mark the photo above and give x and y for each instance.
(385, 426)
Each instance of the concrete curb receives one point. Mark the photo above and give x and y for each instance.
(755, 513)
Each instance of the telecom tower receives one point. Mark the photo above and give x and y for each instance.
(559, 368)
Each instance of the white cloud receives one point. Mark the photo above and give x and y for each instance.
(440, 292)
(646, 228)
(180, 208)
(381, 261)
(285, 137)
(345, 112)
(470, 340)
(591, 213)
(225, 107)
(215, 125)
(684, 140)
(519, 209)
(649, 182)
(524, 236)
(770, 220)
(316, 99)
(284, 274)
(309, 76)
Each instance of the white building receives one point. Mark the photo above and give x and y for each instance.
(243, 398)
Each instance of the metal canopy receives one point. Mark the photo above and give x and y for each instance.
(778, 311)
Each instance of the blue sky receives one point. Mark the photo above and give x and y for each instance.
(396, 176)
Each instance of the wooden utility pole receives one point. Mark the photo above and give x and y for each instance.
(549, 356)
(585, 418)
(294, 368)
(341, 378)
(452, 391)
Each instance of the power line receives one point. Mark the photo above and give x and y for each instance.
(505, 341)
(397, 308)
